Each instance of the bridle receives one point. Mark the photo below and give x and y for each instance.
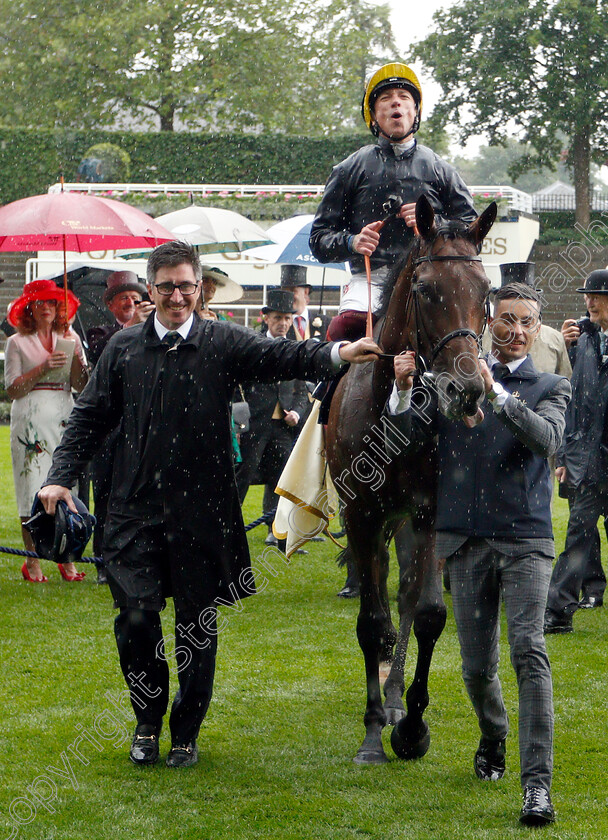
(424, 368)
(419, 322)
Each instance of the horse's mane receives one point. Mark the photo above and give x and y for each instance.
(393, 275)
(450, 229)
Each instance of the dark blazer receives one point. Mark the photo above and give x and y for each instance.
(494, 479)
(584, 452)
(173, 460)
(318, 325)
(97, 338)
(292, 395)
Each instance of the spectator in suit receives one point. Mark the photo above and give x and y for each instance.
(275, 409)
(583, 459)
(124, 297)
(494, 527)
(306, 324)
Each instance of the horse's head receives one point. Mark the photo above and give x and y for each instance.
(449, 293)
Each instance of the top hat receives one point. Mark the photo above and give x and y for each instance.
(293, 275)
(40, 290)
(122, 281)
(226, 290)
(64, 536)
(596, 283)
(517, 272)
(279, 300)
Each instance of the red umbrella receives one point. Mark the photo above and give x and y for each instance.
(75, 222)
(67, 221)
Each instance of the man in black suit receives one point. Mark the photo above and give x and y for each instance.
(124, 297)
(276, 408)
(306, 324)
(174, 526)
(583, 459)
(494, 527)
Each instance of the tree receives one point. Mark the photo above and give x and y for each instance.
(495, 165)
(233, 65)
(533, 68)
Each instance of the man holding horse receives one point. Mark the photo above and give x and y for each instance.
(494, 527)
(174, 525)
(378, 181)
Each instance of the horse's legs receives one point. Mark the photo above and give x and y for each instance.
(410, 737)
(408, 596)
(373, 627)
(391, 635)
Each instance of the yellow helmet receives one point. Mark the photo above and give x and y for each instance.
(391, 75)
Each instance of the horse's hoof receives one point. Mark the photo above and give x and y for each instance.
(393, 715)
(367, 756)
(407, 744)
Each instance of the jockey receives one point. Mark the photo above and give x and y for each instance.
(396, 167)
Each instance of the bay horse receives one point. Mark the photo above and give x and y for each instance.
(437, 308)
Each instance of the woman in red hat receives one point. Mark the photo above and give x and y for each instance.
(44, 361)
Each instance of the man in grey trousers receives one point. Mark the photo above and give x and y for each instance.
(494, 527)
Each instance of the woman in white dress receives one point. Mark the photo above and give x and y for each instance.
(43, 363)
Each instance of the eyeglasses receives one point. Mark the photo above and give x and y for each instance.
(51, 302)
(184, 289)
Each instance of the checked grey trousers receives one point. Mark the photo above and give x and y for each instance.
(479, 575)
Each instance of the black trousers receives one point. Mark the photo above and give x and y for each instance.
(145, 666)
(589, 503)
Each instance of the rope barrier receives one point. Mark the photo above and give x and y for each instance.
(20, 552)
(265, 519)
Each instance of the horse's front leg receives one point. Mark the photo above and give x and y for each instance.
(410, 584)
(411, 737)
(373, 628)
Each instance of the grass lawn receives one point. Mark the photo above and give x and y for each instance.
(284, 724)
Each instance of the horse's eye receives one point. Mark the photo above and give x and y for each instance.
(426, 291)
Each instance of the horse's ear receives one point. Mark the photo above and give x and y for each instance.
(425, 218)
(479, 229)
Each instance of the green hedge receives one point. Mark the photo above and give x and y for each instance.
(557, 227)
(32, 160)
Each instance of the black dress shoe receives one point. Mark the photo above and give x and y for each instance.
(144, 746)
(271, 540)
(182, 756)
(557, 623)
(490, 760)
(318, 538)
(591, 602)
(537, 808)
(101, 575)
(348, 592)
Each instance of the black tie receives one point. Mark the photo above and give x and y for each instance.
(172, 338)
(500, 371)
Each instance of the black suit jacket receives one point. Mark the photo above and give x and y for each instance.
(98, 337)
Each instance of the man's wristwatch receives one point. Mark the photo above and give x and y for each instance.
(496, 390)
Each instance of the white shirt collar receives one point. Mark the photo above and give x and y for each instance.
(161, 331)
(511, 365)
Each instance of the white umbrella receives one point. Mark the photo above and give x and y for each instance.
(212, 230)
